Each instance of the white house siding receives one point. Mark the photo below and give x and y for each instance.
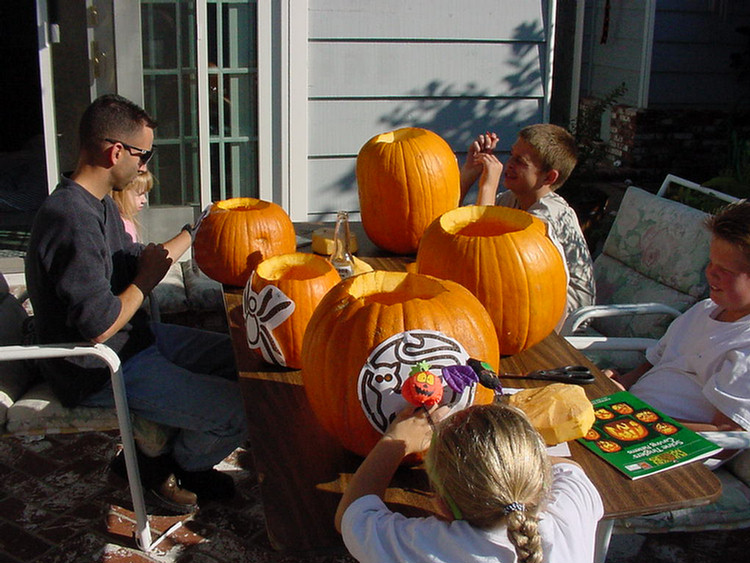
(693, 44)
(457, 68)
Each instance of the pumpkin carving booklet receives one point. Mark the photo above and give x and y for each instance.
(638, 440)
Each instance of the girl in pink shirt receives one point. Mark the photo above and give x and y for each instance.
(131, 200)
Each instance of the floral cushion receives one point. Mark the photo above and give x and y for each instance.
(656, 251)
(170, 292)
(15, 377)
(203, 293)
(662, 239)
(39, 412)
(729, 512)
(617, 284)
(739, 465)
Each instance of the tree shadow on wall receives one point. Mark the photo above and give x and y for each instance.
(458, 113)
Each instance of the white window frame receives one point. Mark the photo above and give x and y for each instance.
(282, 104)
(282, 96)
(48, 95)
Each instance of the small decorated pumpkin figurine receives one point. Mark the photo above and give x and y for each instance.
(422, 388)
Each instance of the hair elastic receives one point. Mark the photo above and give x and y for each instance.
(514, 507)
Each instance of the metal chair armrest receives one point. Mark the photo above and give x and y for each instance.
(590, 343)
(575, 319)
(729, 440)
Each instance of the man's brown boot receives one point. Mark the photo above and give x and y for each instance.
(157, 477)
(175, 497)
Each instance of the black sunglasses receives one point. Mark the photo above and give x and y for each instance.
(142, 154)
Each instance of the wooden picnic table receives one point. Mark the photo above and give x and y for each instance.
(303, 470)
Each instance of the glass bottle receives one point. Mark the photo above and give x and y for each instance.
(341, 258)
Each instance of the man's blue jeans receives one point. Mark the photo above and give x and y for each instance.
(186, 380)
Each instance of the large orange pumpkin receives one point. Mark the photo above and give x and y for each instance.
(406, 178)
(279, 300)
(237, 234)
(369, 331)
(504, 257)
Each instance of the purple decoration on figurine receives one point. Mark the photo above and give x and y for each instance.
(459, 378)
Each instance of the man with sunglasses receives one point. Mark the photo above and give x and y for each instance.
(87, 281)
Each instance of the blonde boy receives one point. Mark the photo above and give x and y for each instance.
(699, 371)
(541, 160)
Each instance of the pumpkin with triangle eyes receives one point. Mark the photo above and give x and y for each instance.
(422, 387)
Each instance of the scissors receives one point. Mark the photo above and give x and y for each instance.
(565, 374)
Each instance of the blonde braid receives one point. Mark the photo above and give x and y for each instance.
(523, 532)
(491, 464)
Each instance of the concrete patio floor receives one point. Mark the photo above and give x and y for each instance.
(59, 503)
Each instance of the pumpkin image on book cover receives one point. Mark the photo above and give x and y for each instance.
(622, 408)
(665, 428)
(647, 415)
(626, 429)
(608, 446)
(603, 414)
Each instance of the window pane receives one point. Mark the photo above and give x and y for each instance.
(161, 102)
(241, 169)
(159, 36)
(238, 48)
(172, 84)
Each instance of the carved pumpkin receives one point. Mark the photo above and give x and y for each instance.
(504, 257)
(406, 179)
(622, 408)
(237, 234)
(665, 428)
(279, 300)
(608, 446)
(366, 335)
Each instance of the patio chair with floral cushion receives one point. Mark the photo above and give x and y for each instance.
(650, 270)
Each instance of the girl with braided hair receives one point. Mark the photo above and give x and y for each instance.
(498, 496)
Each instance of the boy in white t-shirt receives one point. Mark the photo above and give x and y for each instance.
(699, 372)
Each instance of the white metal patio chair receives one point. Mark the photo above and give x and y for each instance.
(651, 269)
(10, 353)
(28, 408)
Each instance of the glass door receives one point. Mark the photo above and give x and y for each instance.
(177, 79)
